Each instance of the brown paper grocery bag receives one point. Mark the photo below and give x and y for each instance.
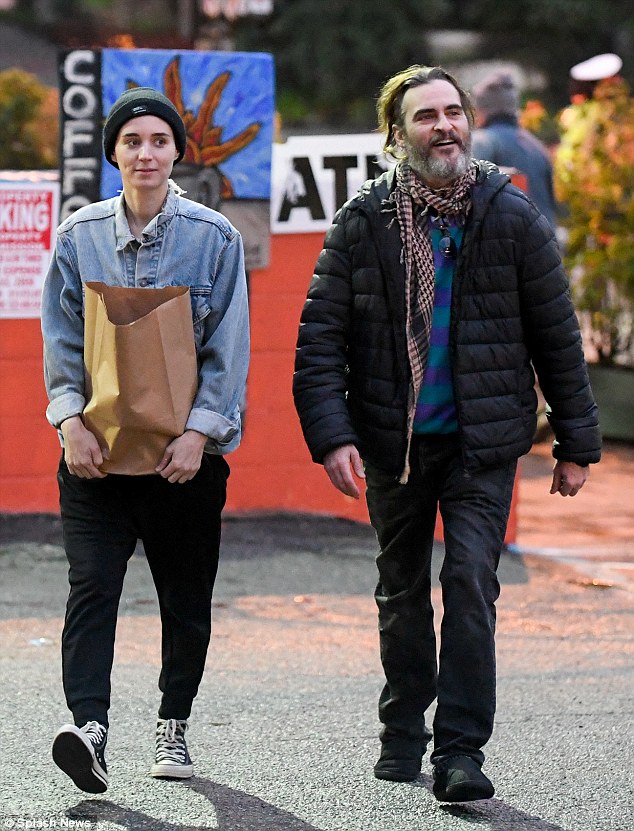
(141, 372)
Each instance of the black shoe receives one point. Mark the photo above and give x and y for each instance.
(400, 759)
(459, 779)
(79, 752)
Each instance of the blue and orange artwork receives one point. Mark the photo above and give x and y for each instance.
(226, 100)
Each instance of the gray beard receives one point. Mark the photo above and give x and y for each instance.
(432, 167)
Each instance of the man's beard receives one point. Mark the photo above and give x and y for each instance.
(438, 168)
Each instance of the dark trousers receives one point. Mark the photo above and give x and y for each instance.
(102, 520)
(474, 509)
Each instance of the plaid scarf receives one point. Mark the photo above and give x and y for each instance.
(420, 273)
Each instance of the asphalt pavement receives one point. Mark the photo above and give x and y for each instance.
(284, 730)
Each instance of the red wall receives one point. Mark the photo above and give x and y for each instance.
(29, 449)
(270, 471)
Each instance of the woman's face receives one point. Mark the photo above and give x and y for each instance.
(145, 152)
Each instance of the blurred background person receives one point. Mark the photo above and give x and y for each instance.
(500, 139)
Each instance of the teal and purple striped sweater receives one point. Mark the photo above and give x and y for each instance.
(435, 408)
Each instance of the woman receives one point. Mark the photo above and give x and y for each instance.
(149, 236)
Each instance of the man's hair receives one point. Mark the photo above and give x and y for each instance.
(497, 94)
(389, 105)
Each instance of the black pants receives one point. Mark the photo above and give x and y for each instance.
(475, 509)
(102, 520)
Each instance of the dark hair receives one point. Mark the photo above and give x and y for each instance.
(389, 105)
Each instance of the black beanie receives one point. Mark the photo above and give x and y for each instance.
(142, 101)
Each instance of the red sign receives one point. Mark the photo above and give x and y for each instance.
(28, 217)
(25, 217)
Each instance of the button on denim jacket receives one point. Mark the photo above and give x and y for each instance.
(187, 244)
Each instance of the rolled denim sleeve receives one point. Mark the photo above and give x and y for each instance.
(223, 356)
(63, 335)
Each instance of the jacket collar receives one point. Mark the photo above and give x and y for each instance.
(377, 194)
(488, 183)
(375, 200)
(153, 228)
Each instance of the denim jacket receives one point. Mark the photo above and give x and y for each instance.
(187, 244)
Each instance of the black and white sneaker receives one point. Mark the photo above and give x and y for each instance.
(79, 752)
(172, 759)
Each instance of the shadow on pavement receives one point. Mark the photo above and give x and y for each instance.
(498, 816)
(492, 814)
(239, 811)
(234, 811)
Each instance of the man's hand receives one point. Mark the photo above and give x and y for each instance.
(182, 457)
(340, 465)
(81, 449)
(568, 478)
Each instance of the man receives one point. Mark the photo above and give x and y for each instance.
(501, 140)
(439, 285)
(149, 236)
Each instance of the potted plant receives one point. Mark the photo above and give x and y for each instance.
(594, 180)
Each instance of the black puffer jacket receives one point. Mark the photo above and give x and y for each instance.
(511, 311)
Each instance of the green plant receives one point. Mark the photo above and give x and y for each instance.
(28, 122)
(594, 179)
